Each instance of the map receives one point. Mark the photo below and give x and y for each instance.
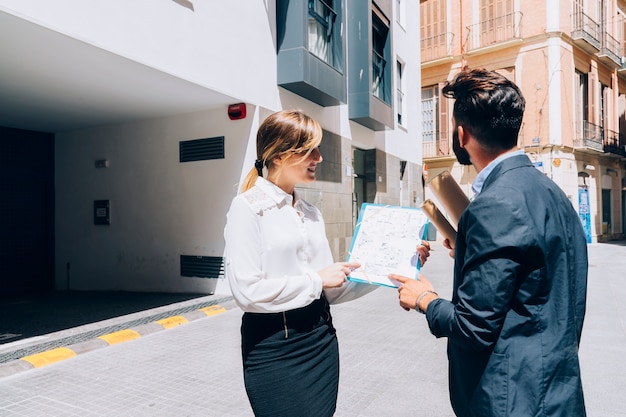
(385, 241)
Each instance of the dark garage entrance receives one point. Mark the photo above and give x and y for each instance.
(26, 212)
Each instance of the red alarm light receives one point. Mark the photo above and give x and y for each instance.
(237, 111)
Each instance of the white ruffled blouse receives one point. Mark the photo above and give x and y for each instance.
(274, 250)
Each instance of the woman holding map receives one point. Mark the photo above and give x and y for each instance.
(282, 275)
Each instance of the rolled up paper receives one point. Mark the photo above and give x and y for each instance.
(450, 195)
(439, 220)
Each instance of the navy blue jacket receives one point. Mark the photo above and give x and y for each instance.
(516, 315)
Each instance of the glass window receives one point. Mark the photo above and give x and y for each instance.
(400, 11)
(430, 113)
(606, 212)
(324, 32)
(400, 102)
(380, 73)
(581, 103)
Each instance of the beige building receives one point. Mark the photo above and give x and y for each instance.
(567, 56)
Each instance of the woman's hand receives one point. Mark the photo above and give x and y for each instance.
(334, 276)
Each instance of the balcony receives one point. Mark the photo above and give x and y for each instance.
(370, 66)
(610, 50)
(494, 31)
(311, 51)
(589, 137)
(614, 144)
(435, 148)
(621, 70)
(437, 47)
(585, 32)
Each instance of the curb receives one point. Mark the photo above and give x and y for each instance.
(62, 353)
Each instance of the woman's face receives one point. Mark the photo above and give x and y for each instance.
(300, 168)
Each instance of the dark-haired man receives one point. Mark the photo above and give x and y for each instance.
(520, 277)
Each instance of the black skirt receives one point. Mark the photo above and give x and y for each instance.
(291, 362)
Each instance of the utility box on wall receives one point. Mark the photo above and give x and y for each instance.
(101, 212)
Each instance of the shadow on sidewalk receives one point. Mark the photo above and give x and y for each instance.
(28, 316)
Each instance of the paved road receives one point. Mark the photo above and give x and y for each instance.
(391, 365)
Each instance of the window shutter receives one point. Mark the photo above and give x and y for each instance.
(444, 122)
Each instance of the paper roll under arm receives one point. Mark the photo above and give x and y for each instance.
(439, 220)
(450, 195)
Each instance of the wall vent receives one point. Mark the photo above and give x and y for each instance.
(202, 149)
(201, 266)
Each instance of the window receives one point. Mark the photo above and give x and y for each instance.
(430, 119)
(621, 31)
(581, 103)
(380, 55)
(400, 12)
(435, 122)
(604, 98)
(579, 7)
(400, 102)
(497, 21)
(324, 32)
(435, 40)
(606, 212)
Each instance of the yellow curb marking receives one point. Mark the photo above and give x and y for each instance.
(59, 354)
(48, 357)
(173, 321)
(119, 337)
(213, 310)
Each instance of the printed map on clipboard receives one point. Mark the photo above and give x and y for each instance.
(385, 242)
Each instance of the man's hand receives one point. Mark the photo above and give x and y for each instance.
(424, 251)
(411, 289)
(448, 245)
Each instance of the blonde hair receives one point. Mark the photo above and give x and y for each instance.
(281, 133)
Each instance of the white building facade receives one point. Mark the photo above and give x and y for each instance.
(145, 113)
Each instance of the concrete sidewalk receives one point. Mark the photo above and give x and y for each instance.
(390, 364)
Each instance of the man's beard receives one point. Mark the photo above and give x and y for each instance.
(461, 154)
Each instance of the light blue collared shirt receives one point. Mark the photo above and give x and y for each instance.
(477, 185)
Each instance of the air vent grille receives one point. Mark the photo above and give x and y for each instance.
(202, 149)
(201, 266)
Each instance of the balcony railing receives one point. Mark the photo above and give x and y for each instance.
(429, 149)
(622, 68)
(590, 136)
(493, 31)
(610, 49)
(437, 47)
(614, 143)
(585, 30)
(435, 148)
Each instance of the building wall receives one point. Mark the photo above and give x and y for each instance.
(208, 43)
(160, 208)
(542, 60)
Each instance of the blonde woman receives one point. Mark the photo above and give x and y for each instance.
(282, 275)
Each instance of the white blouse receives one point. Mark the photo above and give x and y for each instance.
(274, 250)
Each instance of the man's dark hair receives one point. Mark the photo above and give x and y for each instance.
(488, 105)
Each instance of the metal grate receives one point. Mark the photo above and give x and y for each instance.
(201, 266)
(202, 149)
